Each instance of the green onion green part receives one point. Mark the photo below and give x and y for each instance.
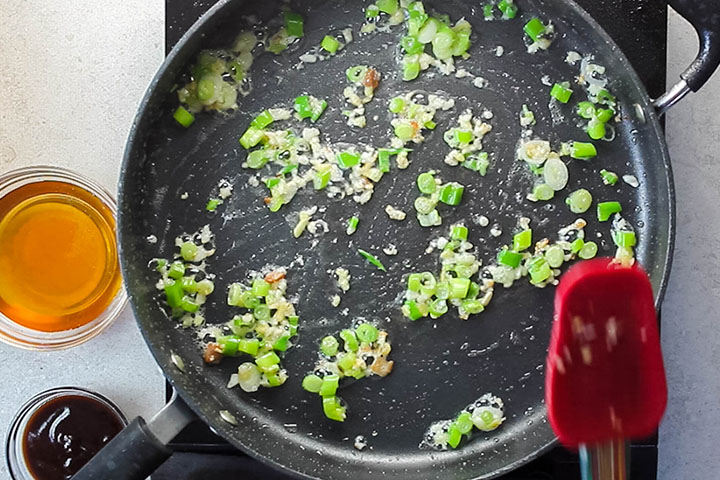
(372, 259)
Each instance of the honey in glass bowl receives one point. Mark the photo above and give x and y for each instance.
(58, 256)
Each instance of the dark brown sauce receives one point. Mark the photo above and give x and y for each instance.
(64, 433)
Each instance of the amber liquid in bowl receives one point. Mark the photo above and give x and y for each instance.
(58, 256)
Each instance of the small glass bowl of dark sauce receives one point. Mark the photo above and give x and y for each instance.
(58, 431)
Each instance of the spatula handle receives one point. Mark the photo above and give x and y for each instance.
(606, 461)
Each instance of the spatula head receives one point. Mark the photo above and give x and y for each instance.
(605, 375)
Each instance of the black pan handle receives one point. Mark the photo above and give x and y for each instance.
(704, 16)
(140, 448)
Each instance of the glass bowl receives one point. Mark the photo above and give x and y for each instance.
(13, 333)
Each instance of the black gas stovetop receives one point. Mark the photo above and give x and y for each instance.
(640, 29)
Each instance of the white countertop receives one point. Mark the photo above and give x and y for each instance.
(71, 76)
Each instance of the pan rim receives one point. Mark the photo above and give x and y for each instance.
(135, 137)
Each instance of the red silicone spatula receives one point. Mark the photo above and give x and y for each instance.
(605, 377)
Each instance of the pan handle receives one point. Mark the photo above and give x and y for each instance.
(140, 448)
(704, 16)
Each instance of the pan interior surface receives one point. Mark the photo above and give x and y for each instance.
(440, 365)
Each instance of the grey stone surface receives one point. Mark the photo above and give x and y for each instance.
(72, 73)
(689, 436)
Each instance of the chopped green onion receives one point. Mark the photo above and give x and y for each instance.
(414, 282)
(251, 346)
(356, 74)
(586, 110)
(428, 31)
(212, 204)
(174, 294)
(294, 24)
(442, 43)
(404, 131)
(267, 360)
(411, 45)
(347, 159)
(263, 120)
(330, 385)
(346, 362)
(251, 138)
(397, 105)
(176, 270)
(543, 192)
(459, 287)
(352, 225)
(372, 259)
(438, 308)
(272, 182)
(555, 256)
(260, 288)
(366, 333)
(463, 136)
(312, 383)
(424, 205)
(458, 232)
(464, 421)
(625, 239)
(508, 8)
(372, 11)
(561, 93)
(411, 70)
(539, 270)
(183, 117)
(384, 160)
(310, 107)
(257, 159)
(426, 183)
(333, 410)
(522, 240)
(454, 436)
(472, 306)
(603, 96)
(488, 11)
(579, 201)
(321, 179)
(577, 245)
(452, 193)
(188, 251)
(413, 311)
(609, 178)
(228, 345)
(205, 89)
(350, 340)
(509, 258)
(205, 287)
(387, 6)
(329, 44)
(606, 209)
(329, 346)
(588, 251)
(189, 284)
(534, 28)
(188, 304)
(583, 150)
(478, 163)
(596, 130)
(604, 115)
